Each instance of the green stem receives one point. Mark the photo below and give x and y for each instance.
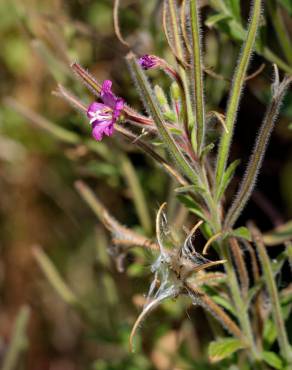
(272, 57)
(257, 156)
(241, 309)
(237, 86)
(153, 108)
(273, 292)
(264, 51)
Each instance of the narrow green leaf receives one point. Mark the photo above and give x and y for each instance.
(227, 177)
(234, 6)
(270, 333)
(279, 235)
(252, 292)
(54, 277)
(237, 86)
(162, 99)
(258, 153)
(192, 206)
(286, 297)
(272, 359)
(241, 232)
(223, 348)
(197, 74)
(225, 304)
(154, 110)
(190, 189)
(214, 19)
(281, 30)
(171, 117)
(138, 195)
(235, 31)
(207, 149)
(57, 131)
(19, 341)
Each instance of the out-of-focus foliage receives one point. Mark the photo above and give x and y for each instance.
(81, 308)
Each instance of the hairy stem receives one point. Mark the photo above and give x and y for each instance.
(273, 292)
(220, 315)
(154, 110)
(197, 75)
(178, 46)
(237, 86)
(241, 309)
(257, 156)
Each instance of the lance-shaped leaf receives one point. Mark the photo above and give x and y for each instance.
(57, 131)
(227, 177)
(193, 206)
(235, 30)
(235, 8)
(282, 32)
(241, 233)
(272, 359)
(54, 277)
(257, 156)
(153, 108)
(223, 348)
(237, 86)
(138, 195)
(197, 73)
(279, 235)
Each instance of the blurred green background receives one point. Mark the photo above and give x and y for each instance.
(40, 209)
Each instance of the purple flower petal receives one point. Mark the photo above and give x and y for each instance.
(119, 104)
(107, 95)
(148, 61)
(109, 130)
(104, 115)
(107, 86)
(93, 108)
(102, 128)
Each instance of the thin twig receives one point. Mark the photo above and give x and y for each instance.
(117, 23)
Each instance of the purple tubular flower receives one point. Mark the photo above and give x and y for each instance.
(104, 115)
(148, 61)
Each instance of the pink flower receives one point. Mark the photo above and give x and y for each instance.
(104, 115)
